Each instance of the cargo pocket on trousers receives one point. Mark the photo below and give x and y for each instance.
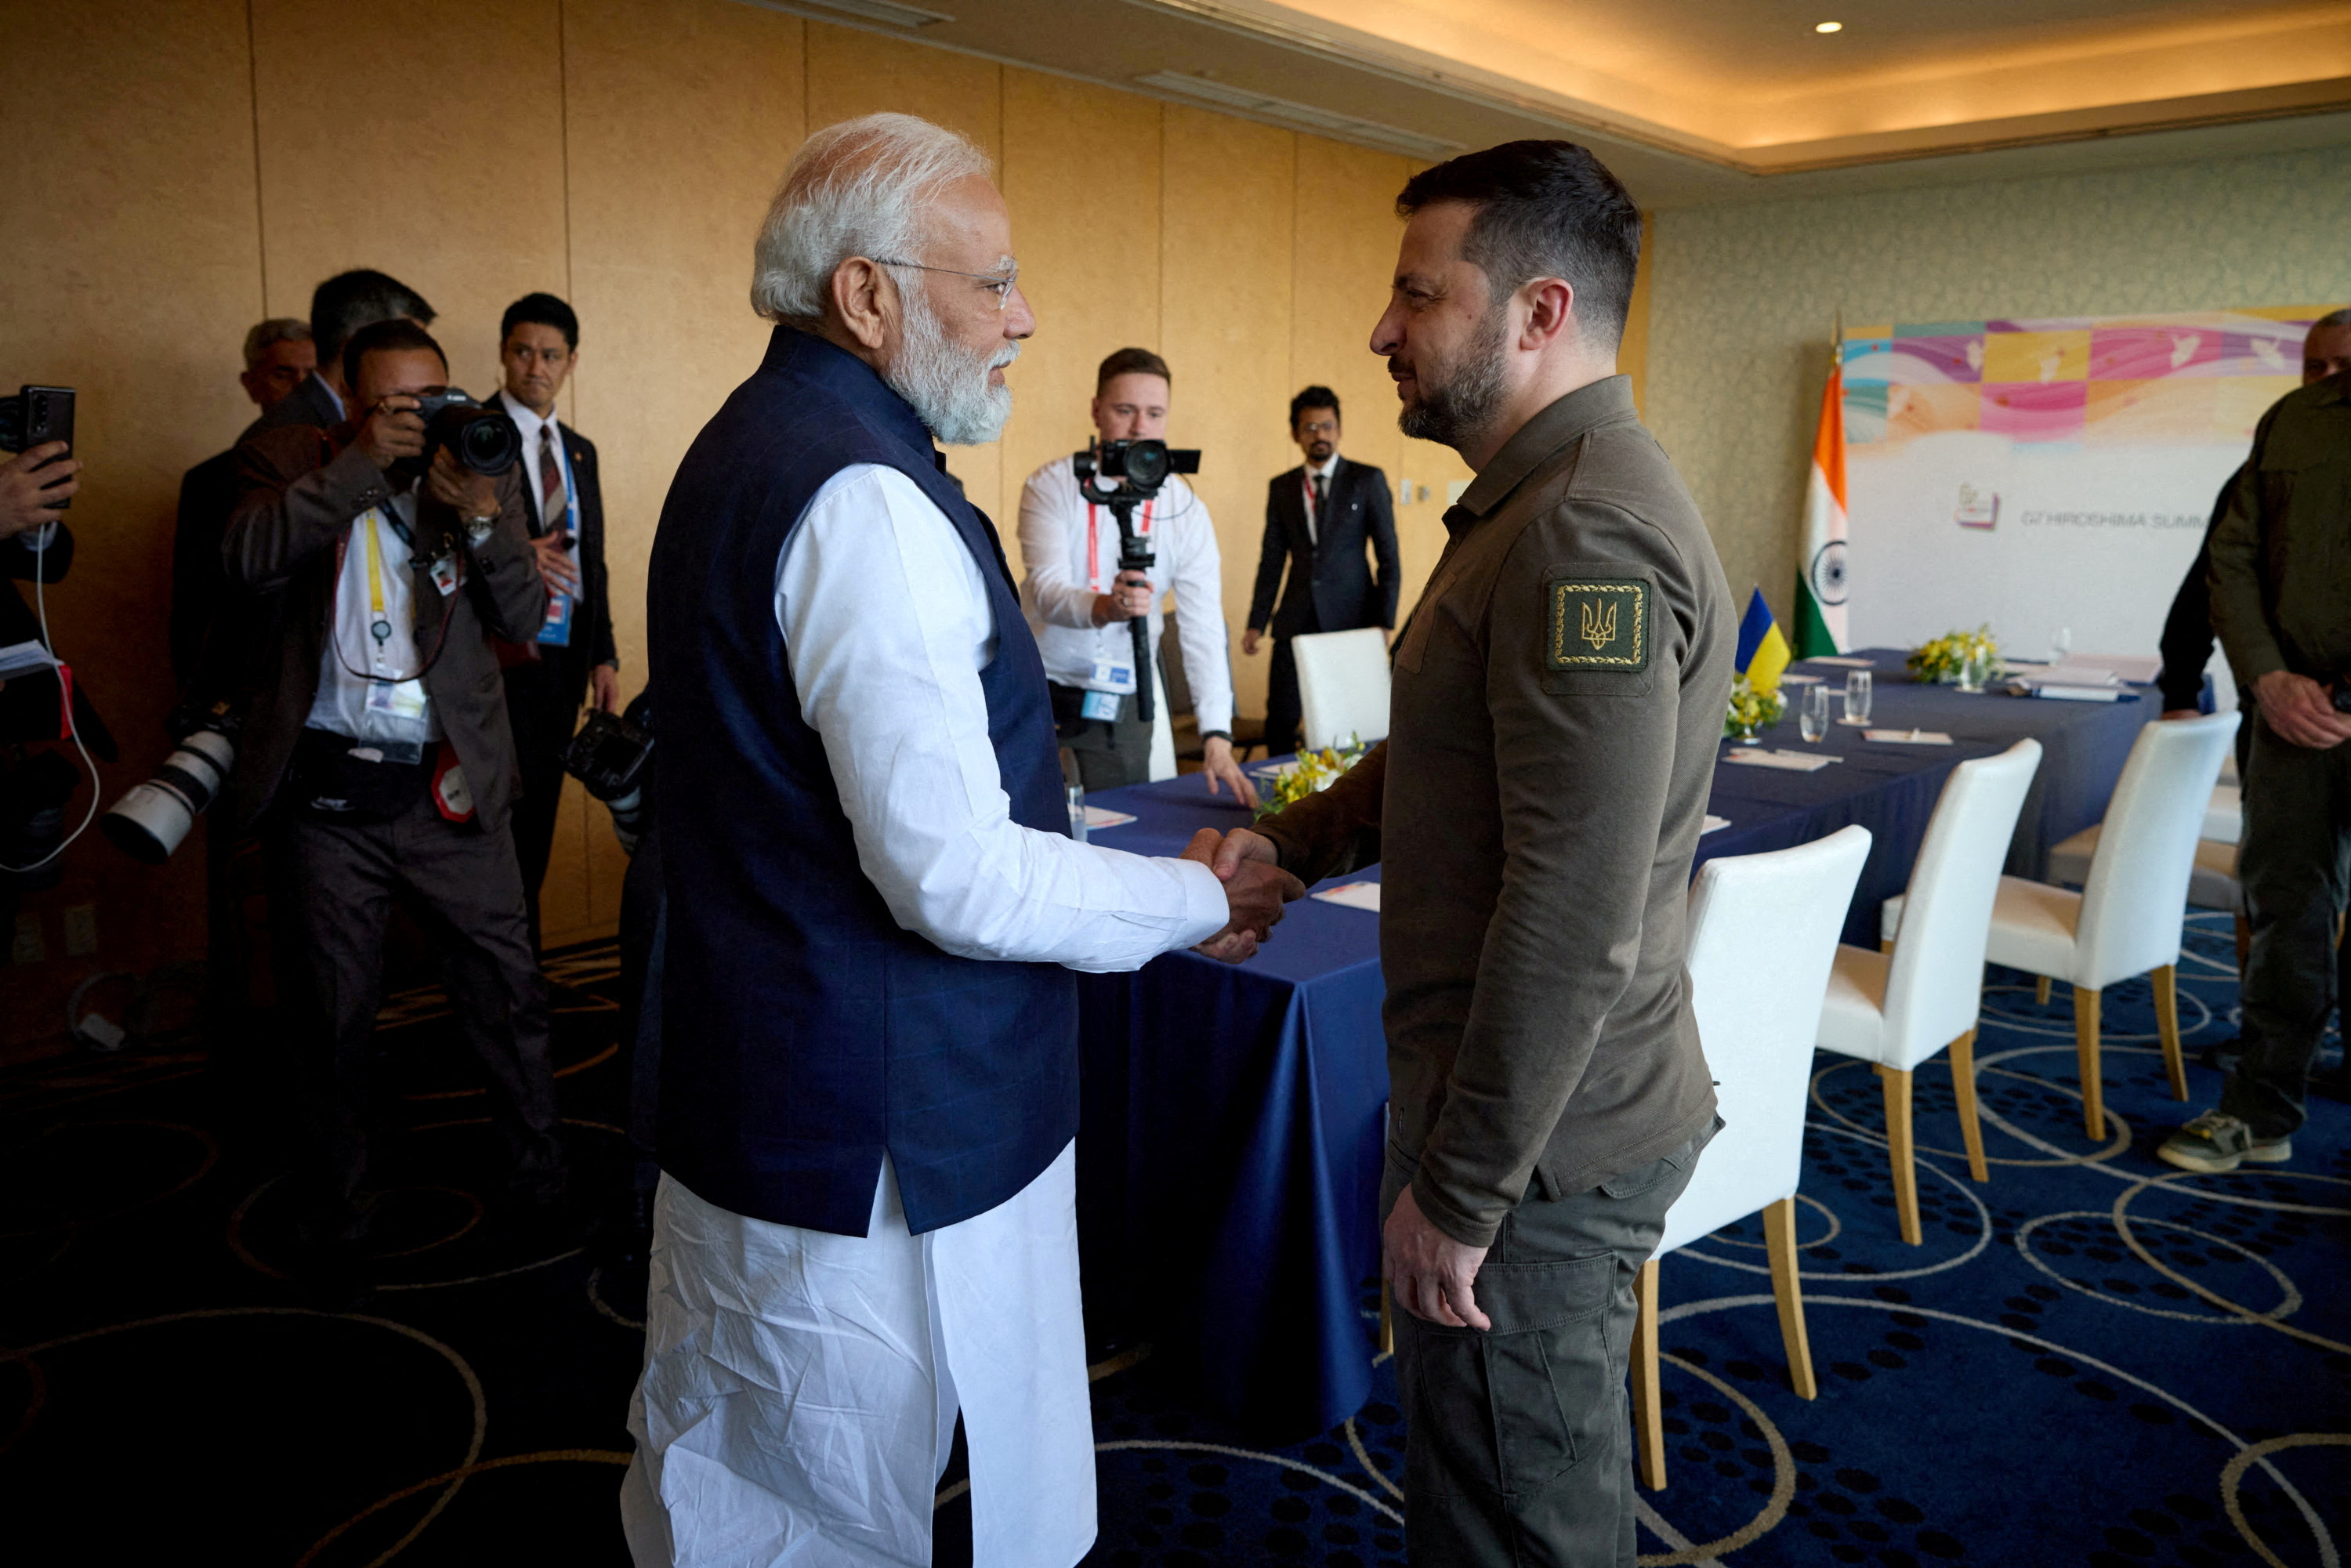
(1509, 1409)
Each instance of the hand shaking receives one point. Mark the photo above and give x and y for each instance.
(1256, 888)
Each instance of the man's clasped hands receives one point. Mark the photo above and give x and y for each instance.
(1256, 887)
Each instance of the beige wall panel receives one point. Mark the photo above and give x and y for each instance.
(682, 116)
(130, 268)
(457, 191)
(852, 73)
(1225, 247)
(1089, 262)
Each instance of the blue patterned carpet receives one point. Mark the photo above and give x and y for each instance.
(2091, 1360)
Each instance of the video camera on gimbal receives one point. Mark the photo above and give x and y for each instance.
(1140, 468)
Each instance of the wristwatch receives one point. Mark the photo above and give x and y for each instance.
(478, 528)
(1223, 735)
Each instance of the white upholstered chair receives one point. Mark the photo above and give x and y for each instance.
(1897, 1009)
(1762, 931)
(2125, 921)
(1343, 685)
(2211, 881)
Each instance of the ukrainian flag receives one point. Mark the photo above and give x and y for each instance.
(1762, 652)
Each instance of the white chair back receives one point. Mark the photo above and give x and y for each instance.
(1343, 685)
(1762, 933)
(1934, 989)
(2132, 905)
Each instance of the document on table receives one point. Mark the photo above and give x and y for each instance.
(1793, 761)
(1103, 817)
(1840, 659)
(2034, 688)
(1713, 824)
(1790, 678)
(1906, 736)
(1354, 895)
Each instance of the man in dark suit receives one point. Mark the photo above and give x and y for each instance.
(573, 658)
(1318, 518)
(377, 757)
(340, 308)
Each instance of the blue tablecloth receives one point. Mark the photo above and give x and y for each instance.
(1230, 1150)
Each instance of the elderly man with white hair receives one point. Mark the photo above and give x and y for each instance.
(866, 1219)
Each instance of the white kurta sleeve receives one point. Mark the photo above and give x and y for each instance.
(1054, 591)
(1198, 579)
(886, 627)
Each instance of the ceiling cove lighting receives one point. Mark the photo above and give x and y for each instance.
(1298, 115)
(1828, 27)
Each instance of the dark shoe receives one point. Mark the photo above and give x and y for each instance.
(2216, 1143)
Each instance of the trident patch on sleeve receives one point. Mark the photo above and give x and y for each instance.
(1598, 624)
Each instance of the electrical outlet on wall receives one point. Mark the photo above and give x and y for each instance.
(28, 947)
(82, 930)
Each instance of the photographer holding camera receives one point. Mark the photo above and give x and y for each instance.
(377, 756)
(1077, 601)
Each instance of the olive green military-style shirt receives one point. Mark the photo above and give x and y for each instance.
(2281, 572)
(1556, 708)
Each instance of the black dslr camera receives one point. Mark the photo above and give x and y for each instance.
(1141, 468)
(36, 415)
(482, 439)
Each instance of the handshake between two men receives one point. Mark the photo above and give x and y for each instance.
(1256, 887)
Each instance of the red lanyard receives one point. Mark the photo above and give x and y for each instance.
(1093, 540)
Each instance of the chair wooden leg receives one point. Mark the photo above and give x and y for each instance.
(2041, 990)
(1788, 1295)
(1963, 1083)
(2166, 1025)
(1649, 1435)
(1387, 1321)
(2085, 1055)
(1896, 1084)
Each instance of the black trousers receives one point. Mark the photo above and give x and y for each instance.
(543, 709)
(1282, 708)
(2294, 866)
(1517, 1447)
(333, 886)
(644, 920)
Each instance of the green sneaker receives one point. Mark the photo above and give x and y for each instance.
(2216, 1143)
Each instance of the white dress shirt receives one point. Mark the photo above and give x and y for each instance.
(1329, 472)
(359, 692)
(886, 627)
(1071, 552)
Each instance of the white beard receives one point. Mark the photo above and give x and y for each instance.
(947, 384)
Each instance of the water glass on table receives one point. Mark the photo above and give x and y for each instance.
(1077, 798)
(1859, 689)
(1813, 717)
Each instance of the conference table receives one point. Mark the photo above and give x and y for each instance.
(1233, 1115)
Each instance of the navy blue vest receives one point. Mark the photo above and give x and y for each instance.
(804, 1032)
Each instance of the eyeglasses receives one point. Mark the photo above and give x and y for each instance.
(1000, 283)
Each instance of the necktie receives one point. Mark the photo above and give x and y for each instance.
(1315, 523)
(554, 502)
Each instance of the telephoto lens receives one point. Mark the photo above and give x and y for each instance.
(483, 439)
(150, 820)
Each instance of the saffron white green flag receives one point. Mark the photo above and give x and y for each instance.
(1820, 574)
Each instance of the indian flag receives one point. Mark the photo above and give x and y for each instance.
(1820, 575)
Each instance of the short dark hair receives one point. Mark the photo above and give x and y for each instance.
(1544, 209)
(351, 301)
(543, 310)
(1131, 362)
(1312, 397)
(384, 338)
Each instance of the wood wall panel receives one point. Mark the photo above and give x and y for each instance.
(1225, 244)
(128, 270)
(1081, 177)
(671, 172)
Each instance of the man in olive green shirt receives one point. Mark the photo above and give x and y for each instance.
(1556, 708)
(2281, 577)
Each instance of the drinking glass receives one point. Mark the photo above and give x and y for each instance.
(1077, 794)
(1812, 719)
(1972, 668)
(1860, 687)
(2061, 642)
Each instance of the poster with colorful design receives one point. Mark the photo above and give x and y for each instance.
(2047, 474)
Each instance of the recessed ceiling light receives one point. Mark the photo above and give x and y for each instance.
(1828, 27)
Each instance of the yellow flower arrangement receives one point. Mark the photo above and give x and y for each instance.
(1314, 770)
(1943, 660)
(1752, 708)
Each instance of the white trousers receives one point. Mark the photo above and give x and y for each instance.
(799, 1392)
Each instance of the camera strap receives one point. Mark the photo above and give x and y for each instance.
(1093, 540)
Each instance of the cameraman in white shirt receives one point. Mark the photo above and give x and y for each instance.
(1079, 603)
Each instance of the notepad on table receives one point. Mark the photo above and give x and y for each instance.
(1840, 659)
(1908, 736)
(1793, 761)
(1103, 817)
(1713, 824)
(1354, 895)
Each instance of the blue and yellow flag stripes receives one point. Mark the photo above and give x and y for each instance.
(1762, 651)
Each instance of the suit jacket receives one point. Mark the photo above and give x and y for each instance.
(311, 404)
(1328, 575)
(28, 703)
(591, 617)
(302, 489)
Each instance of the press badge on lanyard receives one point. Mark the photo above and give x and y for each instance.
(392, 720)
(556, 630)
